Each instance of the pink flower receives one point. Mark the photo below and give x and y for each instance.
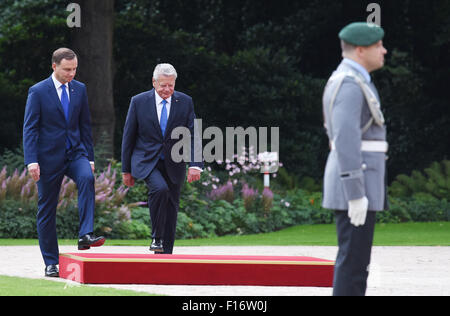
(267, 199)
(223, 192)
(249, 195)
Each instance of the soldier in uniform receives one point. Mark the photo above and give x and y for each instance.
(354, 180)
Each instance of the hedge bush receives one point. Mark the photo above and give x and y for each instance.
(220, 204)
(18, 206)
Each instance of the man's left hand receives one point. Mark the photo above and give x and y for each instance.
(193, 175)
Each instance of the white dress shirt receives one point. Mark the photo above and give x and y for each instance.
(59, 88)
(159, 105)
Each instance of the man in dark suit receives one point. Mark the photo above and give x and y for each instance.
(57, 141)
(146, 152)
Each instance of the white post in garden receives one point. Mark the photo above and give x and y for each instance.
(269, 164)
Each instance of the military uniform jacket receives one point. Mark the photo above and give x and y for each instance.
(350, 172)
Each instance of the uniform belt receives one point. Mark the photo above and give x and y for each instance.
(370, 146)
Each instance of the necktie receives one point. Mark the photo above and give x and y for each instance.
(65, 105)
(163, 121)
(65, 101)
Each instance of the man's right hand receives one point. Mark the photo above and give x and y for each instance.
(127, 179)
(34, 171)
(357, 211)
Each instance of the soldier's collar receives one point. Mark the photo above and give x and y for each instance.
(359, 68)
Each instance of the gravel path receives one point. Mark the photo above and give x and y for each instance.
(399, 271)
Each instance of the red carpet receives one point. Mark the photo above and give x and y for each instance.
(196, 269)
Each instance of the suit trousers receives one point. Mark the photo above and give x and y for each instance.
(163, 201)
(353, 258)
(49, 186)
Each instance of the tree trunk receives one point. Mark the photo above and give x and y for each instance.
(93, 43)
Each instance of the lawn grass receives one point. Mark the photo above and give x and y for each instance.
(403, 234)
(15, 286)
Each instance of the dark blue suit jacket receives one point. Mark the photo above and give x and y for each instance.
(45, 127)
(143, 141)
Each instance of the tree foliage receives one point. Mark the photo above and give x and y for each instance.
(251, 63)
(433, 181)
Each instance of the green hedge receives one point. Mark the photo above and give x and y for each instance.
(18, 220)
(241, 206)
(215, 218)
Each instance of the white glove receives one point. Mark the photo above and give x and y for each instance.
(357, 211)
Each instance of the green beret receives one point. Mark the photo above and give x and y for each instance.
(361, 34)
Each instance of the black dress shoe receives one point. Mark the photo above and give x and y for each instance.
(51, 271)
(89, 240)
(157, 245)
